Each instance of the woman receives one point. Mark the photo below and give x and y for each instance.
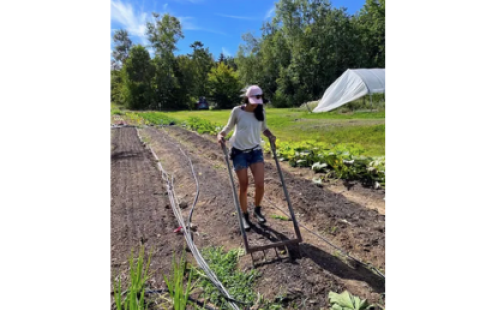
(249, 122)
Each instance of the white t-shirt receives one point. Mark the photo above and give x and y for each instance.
(247, 129)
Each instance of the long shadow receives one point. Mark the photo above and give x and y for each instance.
(323, 259)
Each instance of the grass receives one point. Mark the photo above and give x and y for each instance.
(294, 125)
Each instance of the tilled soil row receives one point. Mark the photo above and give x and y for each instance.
(138, 214)
(316, 269)
(350, 226)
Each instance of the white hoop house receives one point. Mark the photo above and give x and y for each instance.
(351, 85)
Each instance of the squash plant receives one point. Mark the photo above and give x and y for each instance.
(341, 161)
(346, 301)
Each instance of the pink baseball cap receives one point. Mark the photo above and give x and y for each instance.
(252, 92)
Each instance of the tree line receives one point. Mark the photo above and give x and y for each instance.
(300, 52)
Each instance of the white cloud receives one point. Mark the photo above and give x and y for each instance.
(226, 52)
(134, 21)
(270, 12)
(236, 17)
(188, 23)
(125, 15)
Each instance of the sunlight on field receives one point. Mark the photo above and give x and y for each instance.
(366, 129)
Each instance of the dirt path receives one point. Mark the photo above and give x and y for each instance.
(317, 268)
(139, 213)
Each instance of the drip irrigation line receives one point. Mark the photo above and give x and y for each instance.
(187, 231)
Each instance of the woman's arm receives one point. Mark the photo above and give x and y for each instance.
(230, 124)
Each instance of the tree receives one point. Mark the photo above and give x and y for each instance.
(117, 78)
(371, 26)
(230, 61)
(224, 86)
(221, 59)
(163, 35)
(122, 46)
(186, 78)
(203, 62)
(139, 72)
(307, 45)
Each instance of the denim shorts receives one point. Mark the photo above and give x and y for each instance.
(244, 160)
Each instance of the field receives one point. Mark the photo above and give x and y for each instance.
(350, 218)
(364, 128)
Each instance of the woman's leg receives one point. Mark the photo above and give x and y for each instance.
(242, 175)
(258, 171)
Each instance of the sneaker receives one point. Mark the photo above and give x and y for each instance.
(246, 222)
(258, 214)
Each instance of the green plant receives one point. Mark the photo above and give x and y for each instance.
(344, 161)
(203, 126)
(135, 294)
(346, 301)
(238, 283)
(279, 217)
(157, 118)
(117, 112)
(175, 285)
(134, 117)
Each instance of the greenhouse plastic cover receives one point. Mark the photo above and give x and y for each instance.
(351, 85)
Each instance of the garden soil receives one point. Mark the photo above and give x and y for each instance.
(141, 214)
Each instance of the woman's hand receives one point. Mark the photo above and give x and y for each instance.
(220, 140)
(273, 139)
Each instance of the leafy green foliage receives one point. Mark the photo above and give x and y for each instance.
(279, 217)
(139, 274)
(346, 301)
(134, 118)
(201, 63)
(307, 45)
(203, 126)
(122, 45)
(139, 72)
(239, 284)
(224, 86)
(176, 289)
(344, 161)
(157, 118)
(300, 52)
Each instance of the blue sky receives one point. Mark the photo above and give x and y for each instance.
(218, 24)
